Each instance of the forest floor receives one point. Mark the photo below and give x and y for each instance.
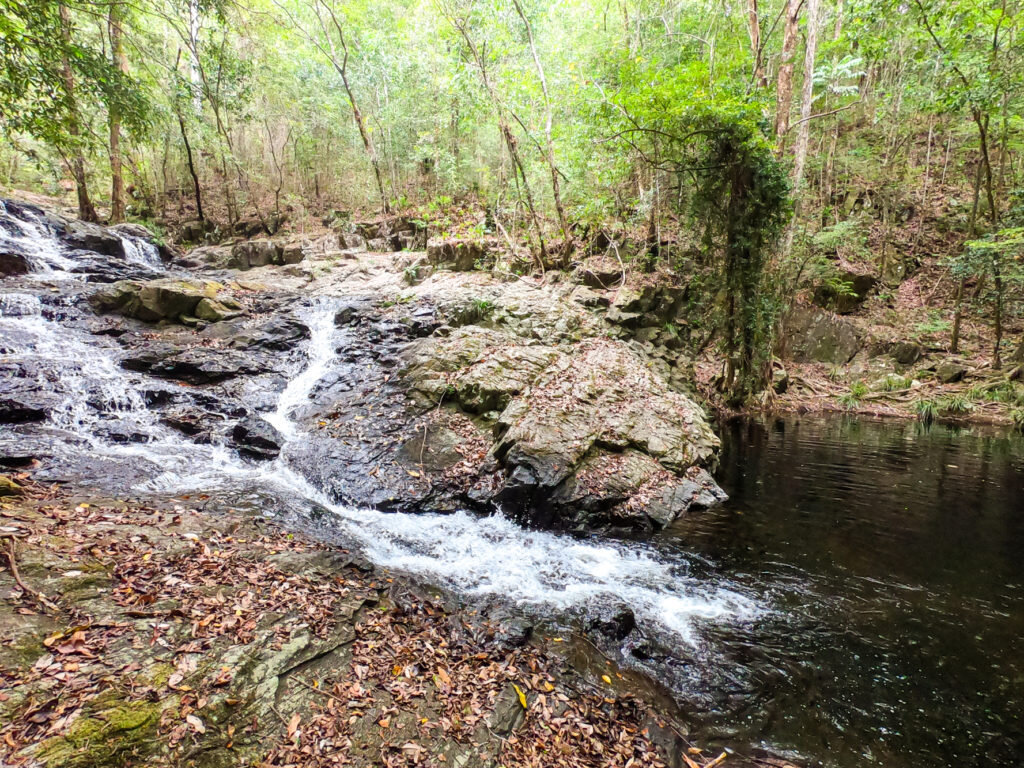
(917, 315)
(168, 634)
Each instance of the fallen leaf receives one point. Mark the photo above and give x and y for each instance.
(521, 695)
(197, 724)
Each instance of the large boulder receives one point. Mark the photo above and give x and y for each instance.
(166, 299)
(598, 438)
(950, 371)
(907, 352)
(815, 335)
(255, 253)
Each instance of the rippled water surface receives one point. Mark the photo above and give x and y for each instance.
(892, 559)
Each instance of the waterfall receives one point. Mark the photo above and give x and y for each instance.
(472, 555)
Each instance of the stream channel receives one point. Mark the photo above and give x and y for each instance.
(859, 600)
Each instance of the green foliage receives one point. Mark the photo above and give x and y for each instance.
(851, 400)
(955, 404)
(927, 410)
(893, 383)
(934, 324)
(49, 71)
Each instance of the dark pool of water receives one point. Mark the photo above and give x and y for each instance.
(891, 559)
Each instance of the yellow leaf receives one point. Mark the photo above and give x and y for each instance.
(521, 695)
(606, 679)
(413, 473)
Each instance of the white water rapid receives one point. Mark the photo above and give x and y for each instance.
(475, 556)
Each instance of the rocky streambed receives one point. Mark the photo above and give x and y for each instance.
(440, 422)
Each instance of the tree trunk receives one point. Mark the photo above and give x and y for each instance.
(192, 169)
(342, 69)
(972, 231)
(754, 32)
(117, 204)
(803, 134)
(549, 144)
(784, 82)
(75, 158)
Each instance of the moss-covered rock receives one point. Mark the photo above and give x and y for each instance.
(110, 732)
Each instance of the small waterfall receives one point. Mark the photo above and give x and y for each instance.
(28, 234)
(320, 354)
(494, 557)
(482, 556)
(20, 305)
(140, 251)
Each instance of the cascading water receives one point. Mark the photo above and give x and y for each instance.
(488, 556)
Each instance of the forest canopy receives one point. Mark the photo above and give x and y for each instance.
(766, 137)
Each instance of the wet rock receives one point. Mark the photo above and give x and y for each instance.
(25, 396)
(257, 439)
(814, 335)
(13, 260)
(188, 421)
(509, 714)
(279, 333)
(93, 237)
(615, 623)
(907, 352)
(195, 366)
(950, 371)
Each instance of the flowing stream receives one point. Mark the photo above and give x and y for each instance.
(858, 601)
(475, 556)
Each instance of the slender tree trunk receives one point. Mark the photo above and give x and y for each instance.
(754, 32)
(341, 67)
(75, 158)
(784, 82)
(803, 134)
(997, 277)
(192, 169)
(117, 203)
(961, 286)
(549, 144)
